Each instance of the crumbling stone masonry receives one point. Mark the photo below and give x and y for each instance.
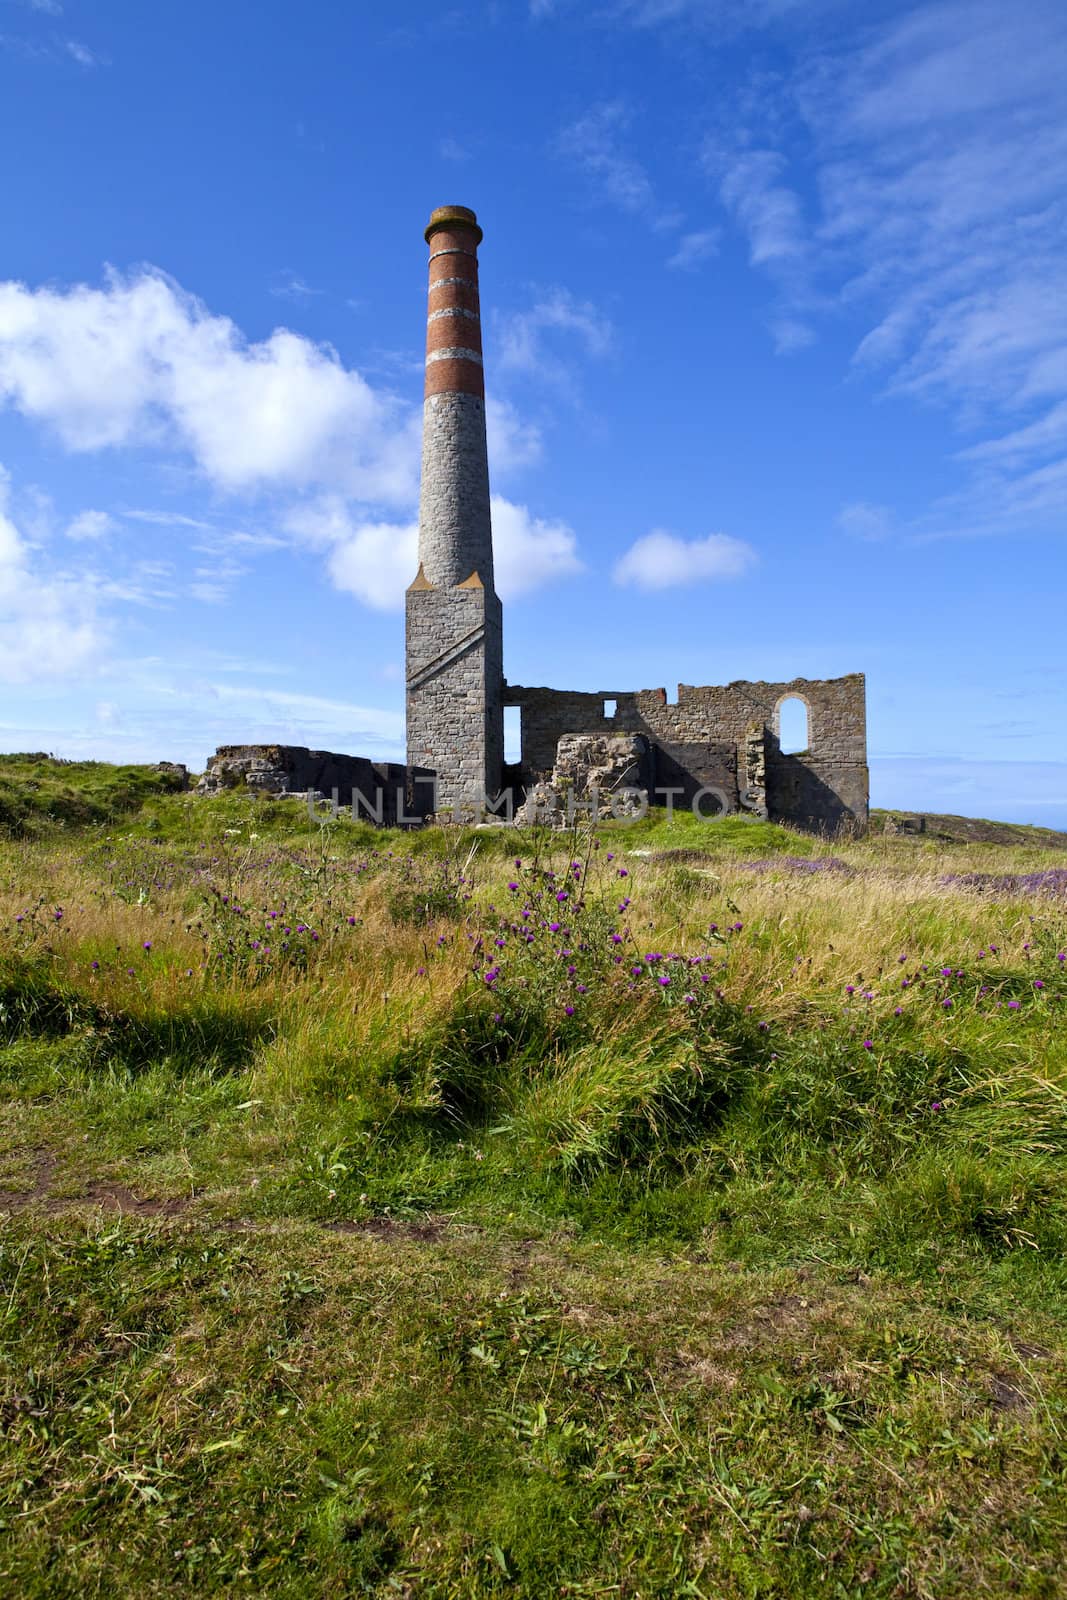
(380, 791)
(721, 741)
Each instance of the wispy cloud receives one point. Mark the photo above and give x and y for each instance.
(694, 249)
(862, 520)
(594, 143)
(662, 560)
(81, 53)
(49, 625)
(450, 149)
(91, 525)
(543, 340)
(929, 204)
(290, 285)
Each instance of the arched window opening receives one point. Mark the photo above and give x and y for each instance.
(792, 726)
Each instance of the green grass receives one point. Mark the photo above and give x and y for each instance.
(378, 1258)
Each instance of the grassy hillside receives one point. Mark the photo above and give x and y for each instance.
(39, 794)
(679, 1211)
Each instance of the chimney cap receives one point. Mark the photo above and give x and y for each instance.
(453, 217)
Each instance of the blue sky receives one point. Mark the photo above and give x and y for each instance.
(775, 303)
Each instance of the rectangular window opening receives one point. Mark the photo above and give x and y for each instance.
(610, 708)
(512, 735)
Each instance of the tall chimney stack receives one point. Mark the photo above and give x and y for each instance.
(454, 627)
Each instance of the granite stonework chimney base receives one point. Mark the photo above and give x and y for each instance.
(455, 667)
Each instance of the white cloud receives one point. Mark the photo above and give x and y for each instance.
(48, 623)
(661, 560)
(530, 551)
(376, 561)
(138, 363)
(141, 362)
(695, 248)
(91, 525)
(512, 442)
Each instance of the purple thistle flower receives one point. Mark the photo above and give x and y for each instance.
(868, 1044)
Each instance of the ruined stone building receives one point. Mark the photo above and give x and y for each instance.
(722, 740)
(716, 748)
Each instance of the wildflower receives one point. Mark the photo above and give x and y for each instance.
(737, 926)
(937, 1105)
(898, 1011)
(553, 927)
(713, 927)
(947, 1005)
(351, 922)
(868, 1044)
(610, 856)
(95, 965)
(569, 1010)
(764, 1027)
(148, 944)
(513, 887)
(623, 872)
(946, 972)
(849, 989)
(1039, 983)
(664, 980)
(1013, 1005)
(420, 972)
(616, 938)
(636, 972)
(561, 895)
(581, 988)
